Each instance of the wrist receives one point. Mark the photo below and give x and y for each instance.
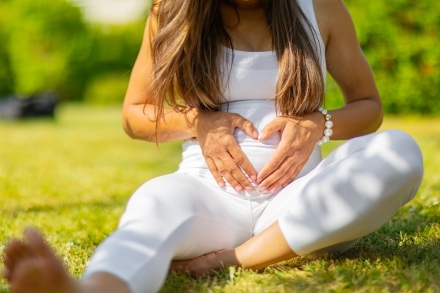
(316, 122)
(192, 117)
(327, 125)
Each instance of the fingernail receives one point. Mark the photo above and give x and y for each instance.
(248, 188)
(272, 190)
(238, 188)
(221, 184)
(262, 189)
(261, 136)
(253, 177)
(255, 133)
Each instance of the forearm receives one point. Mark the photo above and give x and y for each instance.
(139, 122)
(356, 118)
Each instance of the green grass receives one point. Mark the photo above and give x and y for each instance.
(72, 176)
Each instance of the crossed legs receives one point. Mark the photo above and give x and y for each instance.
(33, 267)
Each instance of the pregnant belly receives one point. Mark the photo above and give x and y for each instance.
(260, 113)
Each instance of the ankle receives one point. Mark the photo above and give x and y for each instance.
(228, 258)
(103, 283)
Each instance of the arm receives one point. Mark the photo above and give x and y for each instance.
(361, 114)
(138, 110)
(214, 130)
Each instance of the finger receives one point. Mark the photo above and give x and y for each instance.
(245, 125)
(274, 162)
(272, 182)
(282, 176)
(287, 182)
(214, 171)
(233, 160)
(232, 173)
(228, 177)
(281, 182)
(242, 160)
(270, 129)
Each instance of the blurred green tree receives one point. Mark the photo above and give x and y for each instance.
(112, 56)
(6, 75)
(46, 45)
(45, 38)
(400, 40)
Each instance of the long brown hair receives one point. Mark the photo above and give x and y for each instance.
(188, 46)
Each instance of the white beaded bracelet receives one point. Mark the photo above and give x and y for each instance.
(328, 126)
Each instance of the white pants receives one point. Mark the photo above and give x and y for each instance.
(350, 194)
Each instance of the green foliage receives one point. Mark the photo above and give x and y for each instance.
(106, 89)
(46, 45)
(6, 79)
(400, 40)
(41, 43)
(112, 56)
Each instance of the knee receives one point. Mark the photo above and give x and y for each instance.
(165, 199)
(163, 193)
(406, 153)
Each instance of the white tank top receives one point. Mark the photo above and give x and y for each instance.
(253, 75)
(249, 92)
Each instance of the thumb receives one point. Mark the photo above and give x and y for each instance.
(247, 126)
(270, 129)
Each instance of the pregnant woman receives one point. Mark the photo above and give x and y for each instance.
(241, 82)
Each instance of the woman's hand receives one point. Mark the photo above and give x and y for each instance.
(225, 159)
(298, 138)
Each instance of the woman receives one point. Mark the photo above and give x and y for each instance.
(243, 81)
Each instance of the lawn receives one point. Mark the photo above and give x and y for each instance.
(72, 176)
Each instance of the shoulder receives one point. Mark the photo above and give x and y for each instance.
(323, 4)
(330, 15)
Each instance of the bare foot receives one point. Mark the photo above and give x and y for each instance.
(31, 266)
(207, 264)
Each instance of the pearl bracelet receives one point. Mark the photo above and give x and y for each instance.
(328, 126)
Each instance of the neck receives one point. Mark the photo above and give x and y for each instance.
(241, 11)
(247, 4)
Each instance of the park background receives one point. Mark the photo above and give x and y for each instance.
(72, 175)
(53, 45)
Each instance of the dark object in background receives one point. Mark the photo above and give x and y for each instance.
(38, 105)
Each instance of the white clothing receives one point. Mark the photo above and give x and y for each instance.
(253, 75)
(260, 113)
(332, 202)
(350, 194)
(249, 82)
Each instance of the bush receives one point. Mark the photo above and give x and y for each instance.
(42, 39)
(107, 89)
(45, 45)
(400, 39)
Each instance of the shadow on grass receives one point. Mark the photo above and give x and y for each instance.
(72, 206)
(405, 252)
(413, 230)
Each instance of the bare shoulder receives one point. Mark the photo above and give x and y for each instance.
(328, 14)
(321, 5)
(326, 2)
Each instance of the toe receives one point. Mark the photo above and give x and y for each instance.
(38, 244)
(15, 251)
(25, 277)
